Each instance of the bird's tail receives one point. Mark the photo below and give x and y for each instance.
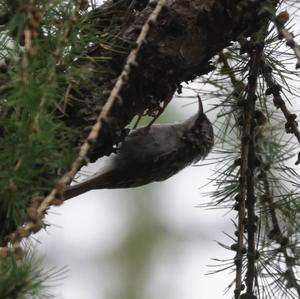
(98, 181)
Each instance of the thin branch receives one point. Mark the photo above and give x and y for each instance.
(280, 21)
(274, 89)
(241, 199)
(238, 85)
(277, 235)
(251, 217)
(289, 37)
(56, 195)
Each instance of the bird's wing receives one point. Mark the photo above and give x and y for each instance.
(143, 146)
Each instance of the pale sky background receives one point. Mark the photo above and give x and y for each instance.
(88, 234)
(88, 228)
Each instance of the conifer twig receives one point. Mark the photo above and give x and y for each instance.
(240, 198)
(290, 41)
(277, 235)
(238, 85)
(274, 89)
(280, 21)
(250, 204)
(56, 195)
(247, 168)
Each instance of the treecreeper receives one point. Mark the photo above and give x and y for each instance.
(151, 154)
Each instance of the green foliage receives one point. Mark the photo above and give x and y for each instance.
(276, 182)
(44, 62)
(44, 48)
(26, 279)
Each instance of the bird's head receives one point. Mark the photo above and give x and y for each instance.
(200, 131)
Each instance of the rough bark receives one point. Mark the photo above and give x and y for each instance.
(179, 48)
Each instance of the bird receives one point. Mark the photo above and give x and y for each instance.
(152, 154)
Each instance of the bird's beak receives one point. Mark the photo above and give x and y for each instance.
(200, 105)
